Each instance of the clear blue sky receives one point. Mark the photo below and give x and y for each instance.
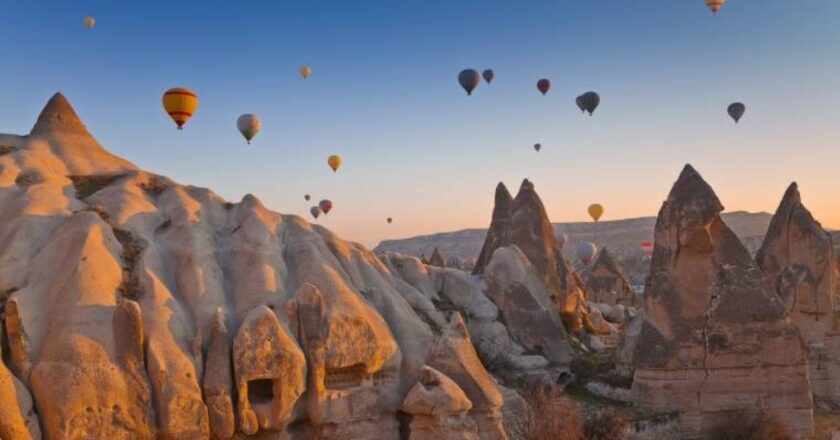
(384, 95)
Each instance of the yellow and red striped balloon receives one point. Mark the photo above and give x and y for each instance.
(181, 103)
(714, 5)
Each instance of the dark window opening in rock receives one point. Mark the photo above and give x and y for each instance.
(260, 391)
(344, 377)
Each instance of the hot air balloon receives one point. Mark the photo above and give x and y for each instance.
(647, 248)
(315, 211)
(307, 197)
(325, 206)
(543, 86)
(334, 162)
(249, 125)
(90, 22)
(488, 75)
(561, 241)
(469, 80)
(736, 110)
(595, 211)
(181, 104)
(537, 147)
(589, 101)
(389, 220)
(714, 5)
(579, 102)
(586, 251)
(305, 71)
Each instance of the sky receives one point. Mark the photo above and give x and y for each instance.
(384, 95)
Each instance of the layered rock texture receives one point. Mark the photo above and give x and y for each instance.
(798, 260)
(715, 342)
(138, 308)
(607, 282)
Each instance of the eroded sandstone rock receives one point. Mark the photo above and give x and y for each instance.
(797, 258)
(439, 409)
(715, 341)
(607, 282)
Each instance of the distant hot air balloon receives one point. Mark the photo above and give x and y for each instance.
(325, 206)
(90, 22)
(469, 80)
(307, 197)
(537, 147)
(586, 251)
(736, 110)
(389, 220)
(579, 102)
(589, 101)
(543, 86)
(596, 211)
(315, 211)
(647, 248)
(181, 104)
(714, 5)
(305, 71)
(249, 125)
(334, 162)
(488, 75)
(561, 241)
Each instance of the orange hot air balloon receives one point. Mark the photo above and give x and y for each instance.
(714, 5)
(181, 103)
(334, 162)
(596, 211)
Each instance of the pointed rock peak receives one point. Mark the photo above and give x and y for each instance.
(691, 189)
(58, 116)
(608, 261)
(526, 184)
(502, 194)
(437, 259)
(792, 194)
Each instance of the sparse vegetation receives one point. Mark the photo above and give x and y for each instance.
(86, 186)
(6, 149)
(154, 187)
(606, 425)
(553, 416)
(132, 249)
(765, 426)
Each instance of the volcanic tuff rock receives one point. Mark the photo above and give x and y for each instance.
(715, 342)
(439, 409)
(797, 258)
(135, 307)
(607, 282)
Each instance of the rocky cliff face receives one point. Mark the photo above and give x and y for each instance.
(797, 258)
(136, 307)
(607, 283)
(715, 341)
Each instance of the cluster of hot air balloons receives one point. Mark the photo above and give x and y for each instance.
(325, 206)
(588, 102)
(469, 79)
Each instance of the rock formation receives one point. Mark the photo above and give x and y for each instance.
(797, 258)
(497, 233)
(607, 283)
(437, 259)
(439, 409)
(136, 307)
(715, 342)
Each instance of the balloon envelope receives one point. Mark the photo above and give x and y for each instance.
(334, 162)
(469, 79)
(307, 197)
(537, 147)
(90, 22)
(181, 103)
(325, 206)
(315, 211)
(586, 251)
(579, 102)
(488, 75)
(595, 211)
(305, 71)
(543, 86)
(249, 125)
(590, 101)
(736, 111)
(714, 5)
(647, 248)
(390, 220)
(561, 241)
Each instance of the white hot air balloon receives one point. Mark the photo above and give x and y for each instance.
(249, 125)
